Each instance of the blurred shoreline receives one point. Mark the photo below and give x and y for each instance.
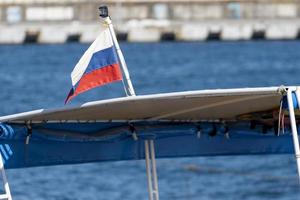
(52, 21)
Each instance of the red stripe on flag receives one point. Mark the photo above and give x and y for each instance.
(96, 78)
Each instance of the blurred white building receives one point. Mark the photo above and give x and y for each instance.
(149, 20)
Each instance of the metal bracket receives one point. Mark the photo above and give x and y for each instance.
(29, 133)
(133, 132)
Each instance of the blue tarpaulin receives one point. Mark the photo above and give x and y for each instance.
(68, 143)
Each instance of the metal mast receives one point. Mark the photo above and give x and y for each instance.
(104, 14)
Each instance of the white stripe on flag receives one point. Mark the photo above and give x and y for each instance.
(103, 41)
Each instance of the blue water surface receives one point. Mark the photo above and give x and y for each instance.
(38, 76)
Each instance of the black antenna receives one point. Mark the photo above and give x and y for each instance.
(103, 11)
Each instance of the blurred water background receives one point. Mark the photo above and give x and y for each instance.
(38, 76)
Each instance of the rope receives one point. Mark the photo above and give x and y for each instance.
(282, 123)
(125, 89)
(279, 117)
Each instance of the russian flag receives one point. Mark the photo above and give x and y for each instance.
(98, 66)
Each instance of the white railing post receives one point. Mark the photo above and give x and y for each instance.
(154, 173)
(294, 128)
(151, 170)
(148, 170)
(7, 194)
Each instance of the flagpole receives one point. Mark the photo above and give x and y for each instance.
(104, 14)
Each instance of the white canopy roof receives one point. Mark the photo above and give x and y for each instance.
(226, 104)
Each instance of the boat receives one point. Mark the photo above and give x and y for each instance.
(211, 122)
(242, 121)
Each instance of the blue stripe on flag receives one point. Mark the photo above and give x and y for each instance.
(101, 59)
